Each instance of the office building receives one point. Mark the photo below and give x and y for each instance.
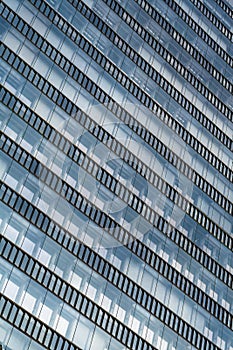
(116, 175)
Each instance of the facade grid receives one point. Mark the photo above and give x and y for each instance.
(116, 175)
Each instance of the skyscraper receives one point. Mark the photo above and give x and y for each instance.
(116, 175)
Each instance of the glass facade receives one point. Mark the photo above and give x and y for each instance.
(116, 175)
